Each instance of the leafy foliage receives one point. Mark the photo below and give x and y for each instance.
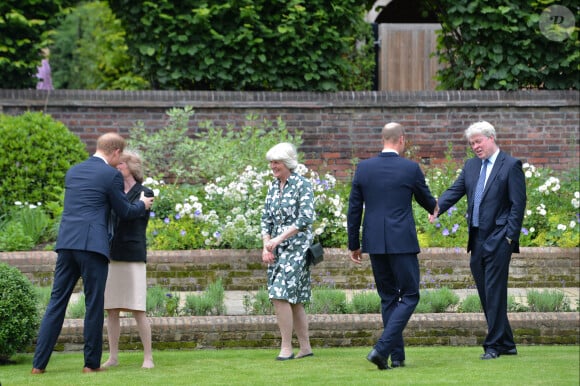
(33, 169)
(19, 316)
(89, 51)
(496, 45)
(25, 27)
(24, 227)
(171, 155)
(249, 44)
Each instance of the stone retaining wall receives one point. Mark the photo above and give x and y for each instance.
(243, 270)
(219, 332)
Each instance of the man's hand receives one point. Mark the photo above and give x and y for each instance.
(356, 256)
(433, 217)
(148, 201)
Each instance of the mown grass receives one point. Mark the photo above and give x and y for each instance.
(535, 365)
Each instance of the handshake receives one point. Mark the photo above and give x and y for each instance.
(433, 217)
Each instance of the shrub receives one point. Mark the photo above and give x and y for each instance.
(25, 227)
(19, 318)
(171, 155)
(210, 302)
(156, 301)
(77, 309)
(367, 302)
(436, 301)
(33, 170)
(259, 304)
(471, 303)
(328, 301)
(547, 301)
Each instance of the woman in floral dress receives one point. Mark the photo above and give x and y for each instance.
(287, 233)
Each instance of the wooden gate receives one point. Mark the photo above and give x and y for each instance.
(405, 58)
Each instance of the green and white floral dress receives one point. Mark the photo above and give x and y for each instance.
(289, 275)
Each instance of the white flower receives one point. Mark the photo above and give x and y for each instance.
(572, 224)
(532, 230)
(528, 173)
(575, 203)
(561, 227)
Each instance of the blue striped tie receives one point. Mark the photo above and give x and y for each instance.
(478, 194)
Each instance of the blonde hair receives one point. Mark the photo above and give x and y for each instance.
(284, 152)
(134, 163)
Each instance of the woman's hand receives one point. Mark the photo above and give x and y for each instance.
(271, 244)
(267, 257)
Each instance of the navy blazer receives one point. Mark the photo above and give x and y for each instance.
(92, 188)
(503, 203)
(384, 188)
(130, 239)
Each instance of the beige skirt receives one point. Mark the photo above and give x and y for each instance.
(126, 286)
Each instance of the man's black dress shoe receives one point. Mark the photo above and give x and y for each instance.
(279, 358)
(378, 360)
(511, 351)
(489, 355)
(397, 363)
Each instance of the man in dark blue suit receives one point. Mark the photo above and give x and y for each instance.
(92, 189)
(495, 187)
(383, 187)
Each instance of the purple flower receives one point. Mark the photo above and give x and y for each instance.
(151, 214)
(445, 232)
(169, 295)
(183, 232)
(217, 234)
(177, 216)
(525, 231)
(166, 221)
(437, 224)
(455, 228)
(197, 213)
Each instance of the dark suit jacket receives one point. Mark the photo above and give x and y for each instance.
(130, 240)
(503, 203)
(384, 187)
(92, 188)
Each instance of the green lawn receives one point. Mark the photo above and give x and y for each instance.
(535, 365)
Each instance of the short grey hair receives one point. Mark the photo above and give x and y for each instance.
(284, 152)
(481, 127)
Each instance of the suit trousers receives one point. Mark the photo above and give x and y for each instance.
(397, 280)
(70, 266)
(490, 272)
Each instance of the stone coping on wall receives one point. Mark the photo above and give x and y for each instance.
(219, 332)
(299, 99)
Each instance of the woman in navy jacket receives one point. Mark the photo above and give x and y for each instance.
(126, 288)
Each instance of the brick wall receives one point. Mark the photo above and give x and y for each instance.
(243, 270)
(539, 127)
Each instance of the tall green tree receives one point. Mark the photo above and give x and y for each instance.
(503, 45)
(284, 45)
(89, 51)
(25, 27)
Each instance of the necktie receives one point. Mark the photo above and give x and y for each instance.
(478, 194)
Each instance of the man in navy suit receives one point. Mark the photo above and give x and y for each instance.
(383, 187)
(495, 214)
(92, 189)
